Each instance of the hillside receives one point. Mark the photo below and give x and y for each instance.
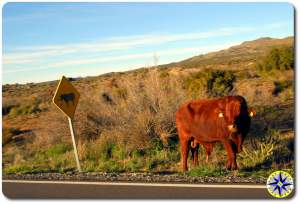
(241, 56)
(125, 121)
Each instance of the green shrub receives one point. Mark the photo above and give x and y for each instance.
(58, 158)
(135, 165)
(103, 148)
(277, 59)
(260, 151)
(161, 159)
(119, 153)
(110, 166)
(212, 82)
(281, 85)
(24, 110)
(252, 158)
(18, 169)
(107, 150)
(137, 153)
(58, 149)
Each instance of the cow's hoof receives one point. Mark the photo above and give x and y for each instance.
(234, 168)
(231, 167)
(228, 166)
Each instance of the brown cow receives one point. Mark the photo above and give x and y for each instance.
(205, 122)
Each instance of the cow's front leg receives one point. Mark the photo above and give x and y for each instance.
(231, 154)
(208, 149)
(184, 154)
(206, 157)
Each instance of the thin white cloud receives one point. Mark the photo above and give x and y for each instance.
(31, 54)
(140, 56)
(30, 57)
(277, 25)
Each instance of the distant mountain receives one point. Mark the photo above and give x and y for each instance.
(236, 57)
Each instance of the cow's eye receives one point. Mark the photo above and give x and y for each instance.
(221, 115)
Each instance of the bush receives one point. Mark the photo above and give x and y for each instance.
(252, 158)
(100, 149)
(277, 59)
(260, 151)
(18, 169)
(24, 110)
(58, 149)
(213, 83)
(164, 74)
(281, 85)
(144, 118)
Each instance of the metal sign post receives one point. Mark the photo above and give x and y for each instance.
(74, 143)
(66, 99)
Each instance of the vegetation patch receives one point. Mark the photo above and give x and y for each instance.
(281, 58)
(24, 110)
(214, 83)
(280, 86)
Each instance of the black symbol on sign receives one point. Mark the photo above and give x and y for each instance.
(67, 97)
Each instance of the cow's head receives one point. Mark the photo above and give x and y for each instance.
(237, 117)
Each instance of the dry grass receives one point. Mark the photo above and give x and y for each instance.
(140, 115)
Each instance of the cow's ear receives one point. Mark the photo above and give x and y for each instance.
(251, 112)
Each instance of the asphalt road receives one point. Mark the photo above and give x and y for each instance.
(104, 190)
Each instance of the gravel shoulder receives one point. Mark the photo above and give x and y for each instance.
(133, 177)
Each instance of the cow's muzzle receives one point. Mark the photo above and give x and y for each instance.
(232, 128)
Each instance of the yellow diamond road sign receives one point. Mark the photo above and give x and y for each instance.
(66, 97)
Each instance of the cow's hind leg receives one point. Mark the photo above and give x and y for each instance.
(195, 150)
(231, 154)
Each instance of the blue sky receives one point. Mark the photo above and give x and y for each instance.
(42, 41)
